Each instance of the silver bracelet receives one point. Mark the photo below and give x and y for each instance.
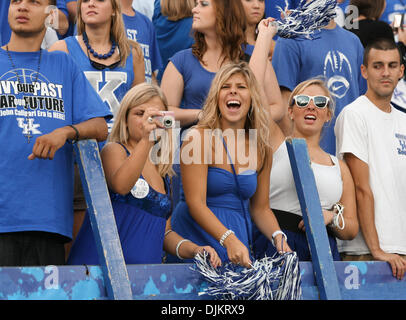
(178, 246)
(224, 236)
(276, 233)
(167, 232)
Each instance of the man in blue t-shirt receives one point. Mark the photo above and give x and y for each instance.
(45, 101)
(140, 28)
(5, 30)
(333, 54)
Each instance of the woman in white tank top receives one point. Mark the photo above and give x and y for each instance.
(310, 108)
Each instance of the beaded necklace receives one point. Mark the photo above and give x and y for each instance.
(94, 53)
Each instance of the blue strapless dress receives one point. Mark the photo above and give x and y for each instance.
(223, 200)
(141, 226)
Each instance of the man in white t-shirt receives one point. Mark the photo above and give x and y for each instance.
(371, 137)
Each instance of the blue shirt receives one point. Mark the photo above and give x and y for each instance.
(393, 7)
(197, 80)
(5, 30)
(36, 195)
(110, 84)
(139, 28)
(336, 55)
(172, 36)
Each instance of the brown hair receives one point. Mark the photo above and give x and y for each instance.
(176, 10)
(117, 31)
(372, 9)
(230, 29)
(381, 44)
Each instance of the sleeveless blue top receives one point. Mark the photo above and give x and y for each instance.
(110, 84)
(140, 223)
(227, 196)
(155, 203)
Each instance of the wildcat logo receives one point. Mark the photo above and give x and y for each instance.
(112, 80)
(29, 127)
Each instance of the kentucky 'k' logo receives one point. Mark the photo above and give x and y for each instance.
(28, 126)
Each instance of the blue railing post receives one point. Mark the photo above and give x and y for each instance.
(323, 265)
(103, 222)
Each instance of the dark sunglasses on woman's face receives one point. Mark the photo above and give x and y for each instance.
(303, 100)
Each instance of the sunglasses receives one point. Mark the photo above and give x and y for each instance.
(303, 100)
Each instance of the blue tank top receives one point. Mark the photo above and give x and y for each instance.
(153, 202)
(197, 80)
(110, 84)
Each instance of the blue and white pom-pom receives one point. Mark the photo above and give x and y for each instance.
(270, 278)
(306, 18)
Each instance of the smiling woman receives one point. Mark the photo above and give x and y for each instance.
(221, 197)
(140, 190)
(102, 47)
(311, 107)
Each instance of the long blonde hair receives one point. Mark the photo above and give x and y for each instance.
(135, 97)
(258, 115)
(117, 31)
(175, 10)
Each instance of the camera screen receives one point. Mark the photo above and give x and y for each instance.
(398, 20)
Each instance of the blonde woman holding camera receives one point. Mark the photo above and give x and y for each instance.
(139, 187)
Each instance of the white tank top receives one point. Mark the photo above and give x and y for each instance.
(282, 192)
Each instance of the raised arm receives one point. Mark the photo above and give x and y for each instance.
(262, 67)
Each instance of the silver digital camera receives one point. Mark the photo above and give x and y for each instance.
(167, 119)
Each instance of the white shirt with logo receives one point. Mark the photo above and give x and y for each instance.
(378, 139)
